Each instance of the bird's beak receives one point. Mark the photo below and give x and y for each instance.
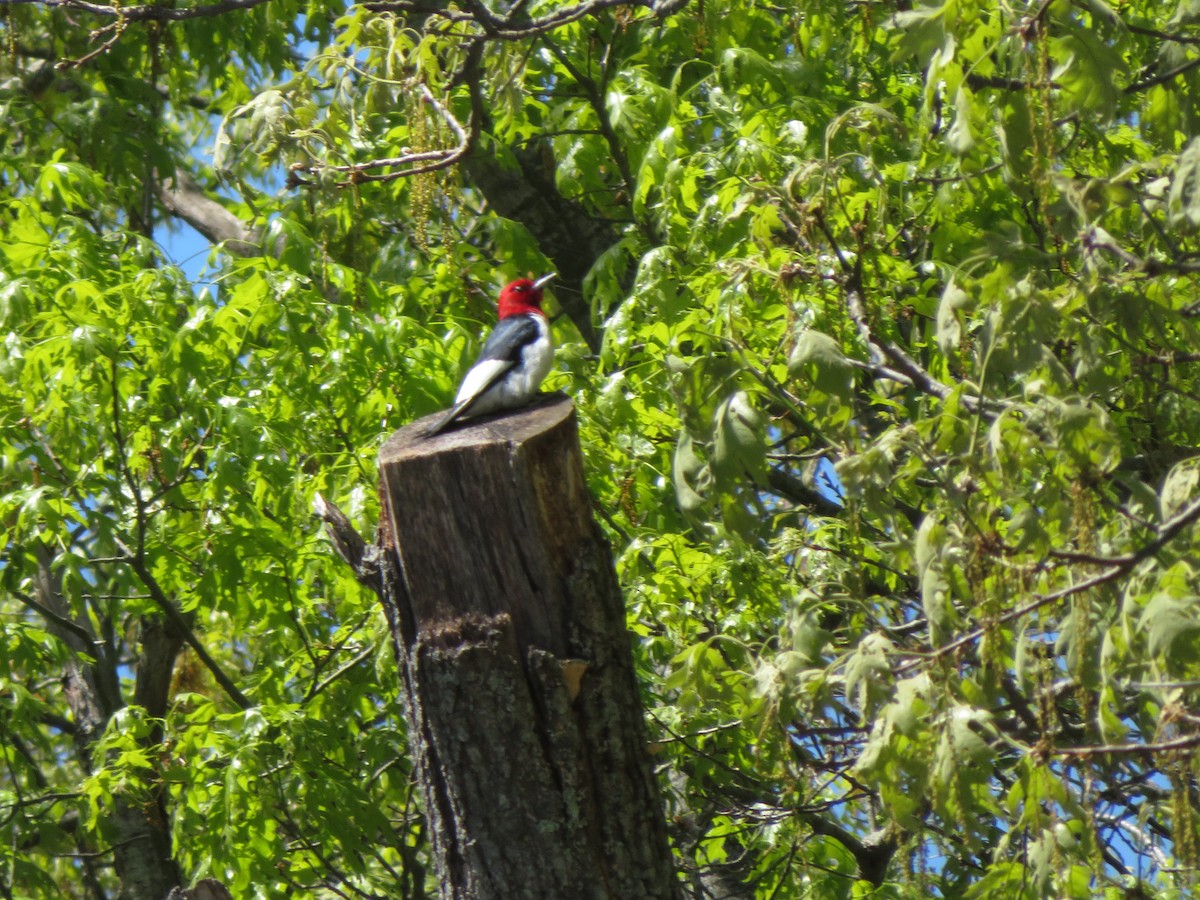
(544, 280)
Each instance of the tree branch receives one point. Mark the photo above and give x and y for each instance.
(417, 163)
(871, 854)
(362, 557)
(1180, 743)
(1097, 239)
(182, 197)
(1162, 78)
(596, 100)
(507, 28)
(787, 485)
(1163, 35)
(137, 561)
(360, 657)
(145, 13)
(1166, 533)
(55, 619)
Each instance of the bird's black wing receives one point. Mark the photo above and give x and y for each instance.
(508, 339)
(503, 347)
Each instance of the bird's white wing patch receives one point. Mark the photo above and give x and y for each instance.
(482, 375)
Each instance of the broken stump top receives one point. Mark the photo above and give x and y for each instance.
(515, 426)
(489, 519)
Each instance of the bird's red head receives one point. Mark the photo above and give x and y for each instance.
(523, 296)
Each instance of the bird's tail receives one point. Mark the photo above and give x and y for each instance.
(450, 417)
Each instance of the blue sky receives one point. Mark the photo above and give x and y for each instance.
(184, 247)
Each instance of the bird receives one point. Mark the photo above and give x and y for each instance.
(515, 358)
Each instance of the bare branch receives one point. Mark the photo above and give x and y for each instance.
(1180, 743)
(509, 28)
(977, 82)
(886, 350)
(1167, 532)
(360, 657)
(1162, 78)
(145, 13)
(362, 557)
(416, 163)
(888, 357)
(1163, 35)
(1096, 239)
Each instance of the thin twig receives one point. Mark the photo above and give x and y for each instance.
(1093, 240)
(51, 616)
(1180, 743)
(1166, 533)
(416, 163)
(505, 28)
(1162, 35)
(1162, 78)
(144, 13)
(337, 673)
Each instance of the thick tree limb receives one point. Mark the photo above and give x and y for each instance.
(204, 889)
(141, 837)
(91, 692)
(785, 484)
(871, 854)
(182, 197)
(571, 238)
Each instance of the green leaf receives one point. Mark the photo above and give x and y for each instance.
(1183, 201)
(1180, 488)
(691, 476)
(740, 446)
(820, 357)
(1171, 620)
(955, 301)
(921, 31)
(869, 672)
(960, 138)
(1089, 69)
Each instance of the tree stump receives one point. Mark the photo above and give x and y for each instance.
(523, 709)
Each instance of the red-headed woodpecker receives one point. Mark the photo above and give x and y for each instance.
(514, 360)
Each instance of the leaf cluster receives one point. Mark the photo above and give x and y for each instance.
(887, 383)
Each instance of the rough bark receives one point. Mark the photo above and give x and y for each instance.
(571, 238)
(520, 694)
(205, 889)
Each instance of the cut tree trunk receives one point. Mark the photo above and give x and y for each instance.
(523, 709)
